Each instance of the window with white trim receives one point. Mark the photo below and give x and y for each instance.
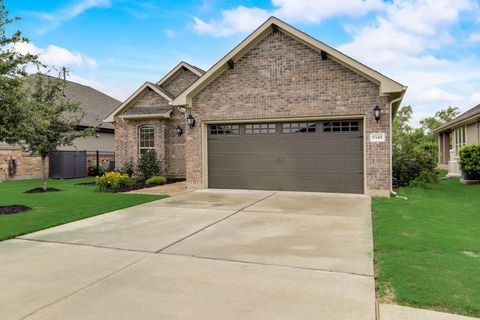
(460, 138)
(146, 139)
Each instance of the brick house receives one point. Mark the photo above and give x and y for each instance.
(281, 111)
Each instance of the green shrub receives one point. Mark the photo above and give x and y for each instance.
(156, 180)
(148, 165)
(425, 179)
(409, 165)
(128, 168)
(470, 161)
(112, 180)
(92, 170)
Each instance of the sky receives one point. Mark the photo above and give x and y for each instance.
(431, 46)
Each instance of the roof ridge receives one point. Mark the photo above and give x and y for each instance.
(463, 116)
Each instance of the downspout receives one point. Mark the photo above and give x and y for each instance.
(391, 142)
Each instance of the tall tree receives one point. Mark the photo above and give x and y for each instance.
(12, 73)
(431, 123)
(52, 120)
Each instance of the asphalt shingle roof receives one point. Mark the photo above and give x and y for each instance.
(95, 105)
(467, 114)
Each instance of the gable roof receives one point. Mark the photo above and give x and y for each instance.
(387, 85)
(147, 85)
(182, 65)
(472, 114)
(157, 87)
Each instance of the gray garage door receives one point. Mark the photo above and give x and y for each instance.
(325, 156)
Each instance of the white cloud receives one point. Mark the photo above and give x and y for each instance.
(439, 95)
(405, 41)
(238, 20)
(54, 19)
(315, 11)
(474, 37)
(57, 56)
(409, 28)
(170, 33)
(245, 19)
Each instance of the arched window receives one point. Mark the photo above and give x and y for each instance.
(146, 139)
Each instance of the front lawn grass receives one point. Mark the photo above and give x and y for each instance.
(427, 248)
(73, 202)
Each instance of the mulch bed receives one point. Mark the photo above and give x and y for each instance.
(136, 186)
(15, 208)
(141, 185)
(40, 190)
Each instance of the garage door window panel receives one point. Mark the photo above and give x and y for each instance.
(225, 129)
(260, 128)
(341, 126)
(299, 127)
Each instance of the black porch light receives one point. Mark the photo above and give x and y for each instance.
(179, 130)
(376, 113)
(191, 121)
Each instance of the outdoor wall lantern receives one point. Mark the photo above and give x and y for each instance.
(191, 121)
(376, 113)
(179, 130)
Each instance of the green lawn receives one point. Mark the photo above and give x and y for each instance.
(72, 203)
(427, 248)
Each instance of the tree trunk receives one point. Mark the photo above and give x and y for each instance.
(44, 174)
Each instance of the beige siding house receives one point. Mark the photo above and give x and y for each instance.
(453, 135)
(281, 111)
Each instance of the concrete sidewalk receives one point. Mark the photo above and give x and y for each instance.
(394, 312)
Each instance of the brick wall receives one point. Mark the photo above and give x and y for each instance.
(169, 146)
(182, 80)
(282, 78)
(28, 167)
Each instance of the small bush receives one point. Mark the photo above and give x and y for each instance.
(156, 180)
(425, 179)
(128, 168)
(92, 170)
(148, 165)
(112, 180)
(470, 161)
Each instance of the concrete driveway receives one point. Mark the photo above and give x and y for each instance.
(210, 254)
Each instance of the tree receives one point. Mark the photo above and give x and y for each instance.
(12, 73)
(52, 120)
(431, 123)
(415, 150)
(148, 165)
(401, 125)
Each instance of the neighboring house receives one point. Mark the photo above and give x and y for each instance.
(95, 107)
(281, 111)
(453, 135)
